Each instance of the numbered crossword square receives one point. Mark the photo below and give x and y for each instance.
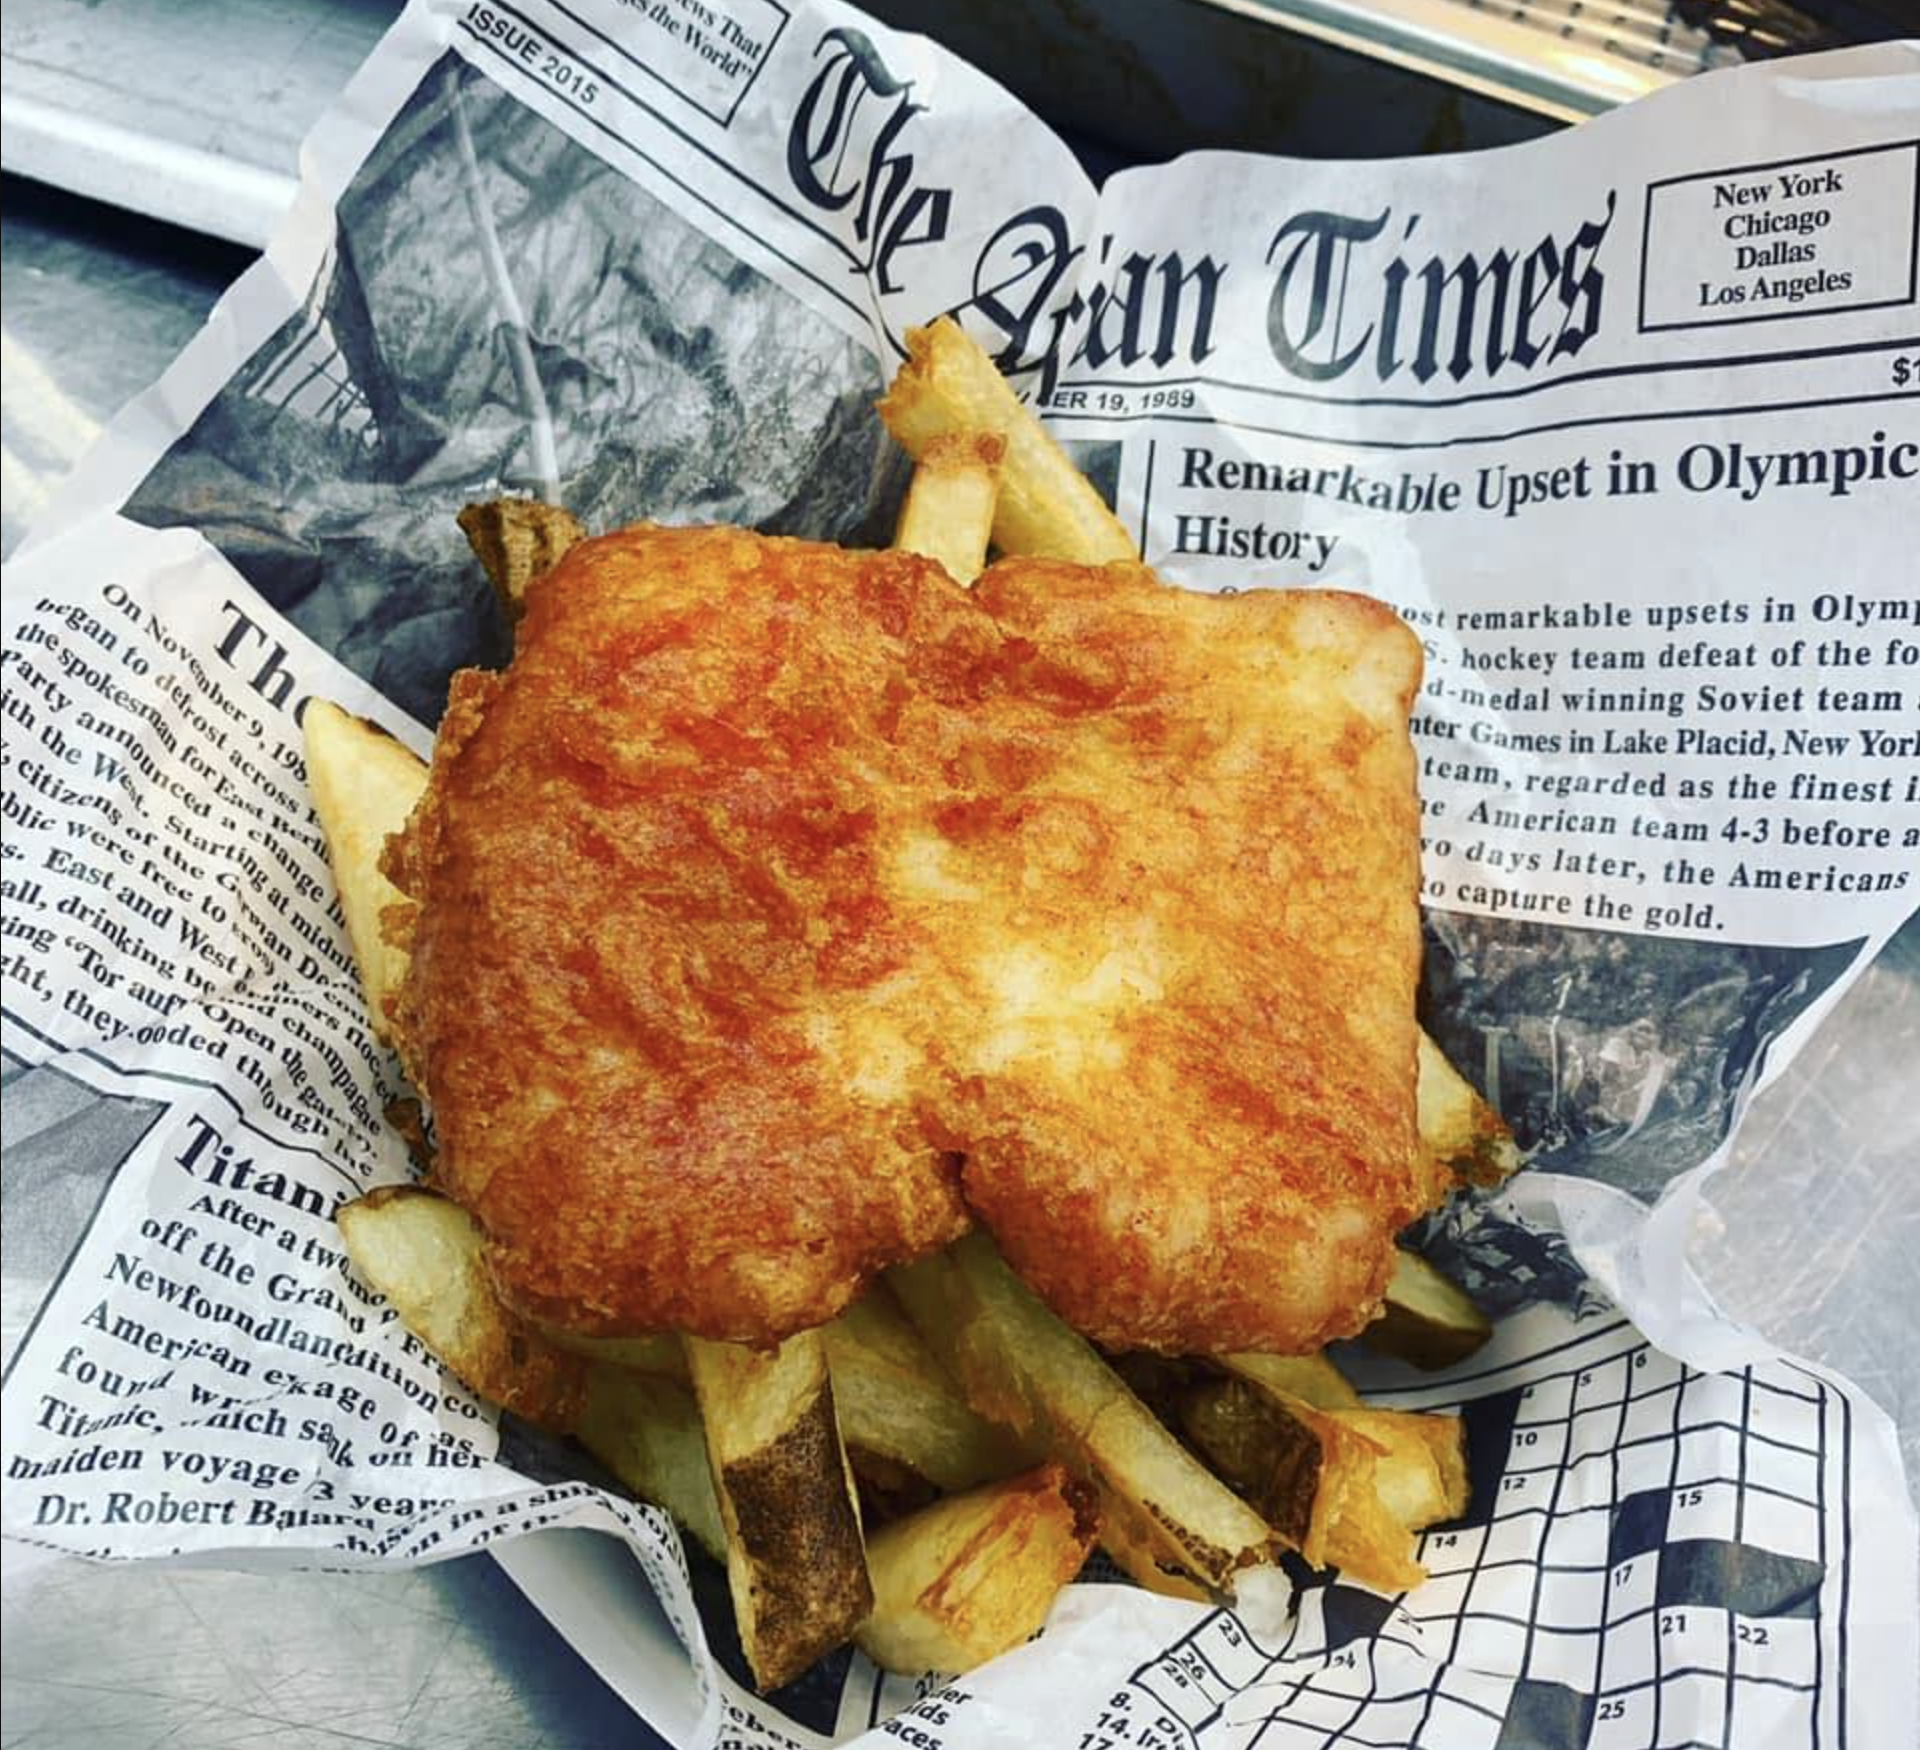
(1632, 1588)
(1231, 1653)
(1522, 1493)
(1534, 1448)
(1348, 1672)
(1653, 1372)
(1703, 1510)
(1784, 1648)
(1605, 1382)
(1546, 1400)
(1447, 1552)
(1691, 1637)
(1622, 1722)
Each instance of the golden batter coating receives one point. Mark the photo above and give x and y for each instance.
(1193, 958)
(780, 903)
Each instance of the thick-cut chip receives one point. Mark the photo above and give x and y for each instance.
(645, 1428)
(1138, 1552)
(948, 514)
(1311, 1379)
(1021, 1366)
(1460, 1132)
(517, 540)
(795, 1561)
(1419, 1467)
(660, 1354)
(1425, 1318)
(1317, 1476)
(364, 786)
(427, 1256)
(964, 1579)
(896, 1402)
(1268, 1454)
(1046, 505)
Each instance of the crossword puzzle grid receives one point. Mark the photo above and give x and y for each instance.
(1640, 1569)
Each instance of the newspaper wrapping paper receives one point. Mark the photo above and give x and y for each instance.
(1624, 421)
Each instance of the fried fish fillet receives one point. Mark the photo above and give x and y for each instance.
(782, 909)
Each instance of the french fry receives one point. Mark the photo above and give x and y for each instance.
(1420, 1466)
(1136, 1552)
(426, 1255)
(517, 540)
(1310, 1379)
(1366, 1543)
(660, 1354)
(896, 1402)
(1046, 505)
(795, 1562)
(888, 1489)
(1460, 1133)
(364, 786)
(1446, 1437)
(948, 514)
(970, 1576)
(1425, 1318)
(1264, 1451)
(1019, 1365)
(1313, 1475)
(645, 1428)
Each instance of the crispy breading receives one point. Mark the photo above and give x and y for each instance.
(1192, 959)
(780, 903)
(648, 868)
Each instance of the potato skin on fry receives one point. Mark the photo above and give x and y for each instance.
(796, 1563)
(517, 540)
